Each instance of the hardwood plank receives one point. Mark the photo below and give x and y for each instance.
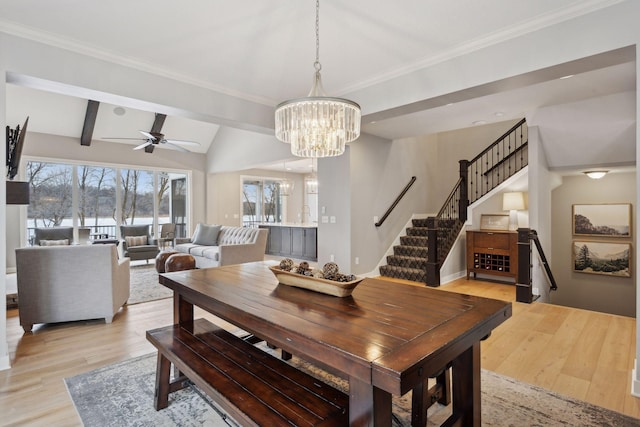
(39, 366)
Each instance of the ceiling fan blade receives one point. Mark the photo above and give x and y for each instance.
(178, 141)
(141, 146)
(177, 147)
(148, 135)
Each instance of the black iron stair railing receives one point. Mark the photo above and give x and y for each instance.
(501, 160)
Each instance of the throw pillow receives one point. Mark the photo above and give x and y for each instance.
(135, 240)
(206, 235)
(61, 242)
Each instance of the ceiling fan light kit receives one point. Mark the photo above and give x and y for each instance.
(318, 125)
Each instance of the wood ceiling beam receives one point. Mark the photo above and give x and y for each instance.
(89, 122)
(156, 128)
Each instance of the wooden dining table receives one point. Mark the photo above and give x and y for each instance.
(386, 338)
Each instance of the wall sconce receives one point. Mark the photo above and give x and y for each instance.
(595, 174)
(513, 202)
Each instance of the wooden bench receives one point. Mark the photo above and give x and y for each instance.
(252, 386)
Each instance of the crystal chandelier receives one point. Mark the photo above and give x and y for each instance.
(318, 125)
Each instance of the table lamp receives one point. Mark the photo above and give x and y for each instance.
(513, 202)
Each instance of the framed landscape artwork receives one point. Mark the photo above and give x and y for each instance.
(607, 258)
(606, 220)
(497, 222)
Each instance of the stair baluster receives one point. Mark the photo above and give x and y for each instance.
(478, 177)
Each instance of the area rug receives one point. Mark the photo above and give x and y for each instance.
(122, 395)
(144, 285)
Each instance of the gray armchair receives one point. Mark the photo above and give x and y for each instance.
(67, 283)
(167, 234)
(137, 244)
(52, 234)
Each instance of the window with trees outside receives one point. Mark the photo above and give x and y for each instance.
(102, 198)
(261, 202)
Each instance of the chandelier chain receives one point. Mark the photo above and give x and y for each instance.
(316, 64)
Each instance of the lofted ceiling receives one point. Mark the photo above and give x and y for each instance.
(264, 52)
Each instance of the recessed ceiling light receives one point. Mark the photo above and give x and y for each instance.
(566, 77)
(479, 122)
(498, 114)
(119, 111)
(449, 104)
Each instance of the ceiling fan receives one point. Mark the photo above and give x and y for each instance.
(157, 138)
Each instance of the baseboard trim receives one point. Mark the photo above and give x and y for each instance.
(5, 363)
(635, 383)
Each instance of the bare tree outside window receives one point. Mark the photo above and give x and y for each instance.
(96, 197)
(50, 193)
(137, 196)
(262, 201)
(163, 197)
(52, 196)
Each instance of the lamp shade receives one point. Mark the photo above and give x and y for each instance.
(513, 201)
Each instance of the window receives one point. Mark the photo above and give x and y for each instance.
(261, 202)
(50, 194)
(137, 197)
(97, 199)
(101, 198)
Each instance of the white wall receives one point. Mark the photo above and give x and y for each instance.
(334, 201)
(235, 149)
(541, 183)
(225, 192)
(379, 171)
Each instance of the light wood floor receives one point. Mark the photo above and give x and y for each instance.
(579, 353)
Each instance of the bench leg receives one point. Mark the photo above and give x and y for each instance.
(163, 370)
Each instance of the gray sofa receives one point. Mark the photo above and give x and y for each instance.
(67, 283)
(215, 245)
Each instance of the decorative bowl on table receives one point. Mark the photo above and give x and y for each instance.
(325, 286)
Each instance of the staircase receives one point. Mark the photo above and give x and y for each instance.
(409, 259)
(428, 241)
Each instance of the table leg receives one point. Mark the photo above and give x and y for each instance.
(182, 310)
(368, 405)
(466, 387)
(183, 315)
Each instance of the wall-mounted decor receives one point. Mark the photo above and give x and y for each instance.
(605, 220)
(607, 258)
(494, 222)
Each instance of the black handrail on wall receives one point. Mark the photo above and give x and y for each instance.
(395, 203)
(523, 281)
